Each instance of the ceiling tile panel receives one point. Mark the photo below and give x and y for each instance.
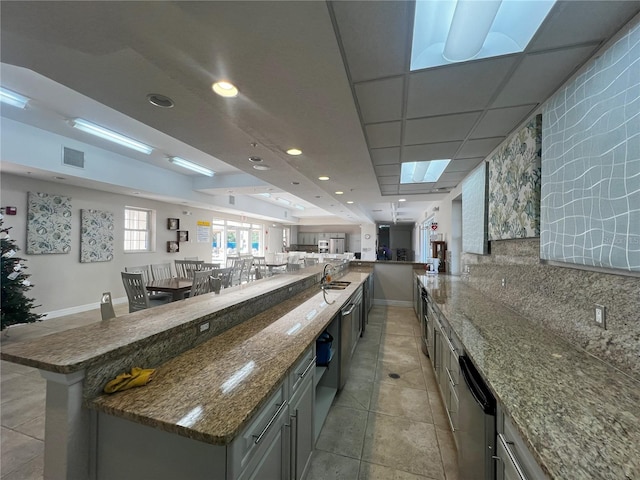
(442, 184)
(540, 74)
(575, 22)
(454, 176)
(386, 170)
(459, 88)
(389, 189)
(501, 121)
(380, 101)
(439, 129)
(415, 187)
(465, 165)
(479, 148)
(374, 37)
(383, 134)
(385, 156)
(390, 180)
(430, 151)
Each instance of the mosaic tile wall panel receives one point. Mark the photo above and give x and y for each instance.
(474, 211)
(514, 185)
(96, 238)
(48, 223)
(590, 205)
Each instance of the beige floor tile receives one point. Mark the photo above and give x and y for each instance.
(398, 401)
(363, 368)
(18, 449)
(31, 470)
(410, 374)
(21, 387)
(402, 444)
(398, 328)
(355, 394)
(33, 428)
(371, 471)
(343, 432)
(329, 466)
(398, 342)
(400, 356)
(17, 412)
(448, 452)
(8, 367)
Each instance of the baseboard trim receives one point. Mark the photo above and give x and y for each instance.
(80, 308)
(392, 303)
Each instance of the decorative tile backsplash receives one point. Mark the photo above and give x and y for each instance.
(514, 185)
(96, 241)
(474, 211)
(48, 223)
(590, 205)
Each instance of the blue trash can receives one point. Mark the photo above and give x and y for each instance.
(323, 349)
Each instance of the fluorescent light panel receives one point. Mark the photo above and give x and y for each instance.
(283, 200)
(110, 135)
(299, 207)
(181, 162)
(422, 172)
(450, 31)
(12, 98)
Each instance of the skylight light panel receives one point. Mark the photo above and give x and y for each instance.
(422, 172)
(451, 31)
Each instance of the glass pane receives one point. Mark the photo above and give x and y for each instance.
(231, 243)
(244, 241)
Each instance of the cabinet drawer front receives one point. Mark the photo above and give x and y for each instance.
(301, 370)
(244, 447)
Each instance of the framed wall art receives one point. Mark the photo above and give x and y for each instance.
(173, 247)
(183, 235)
(173, 223)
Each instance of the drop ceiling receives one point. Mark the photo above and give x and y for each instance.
(329, 78)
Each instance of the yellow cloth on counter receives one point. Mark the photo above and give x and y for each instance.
(137, 378)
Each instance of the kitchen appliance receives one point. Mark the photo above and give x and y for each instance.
(425, 321)
(349, 332)
(476, 425)
(336, 245)
(323, 246)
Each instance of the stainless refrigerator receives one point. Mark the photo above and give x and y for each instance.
(336, 245)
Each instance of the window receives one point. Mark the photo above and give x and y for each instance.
(241, 239)
(137, 229)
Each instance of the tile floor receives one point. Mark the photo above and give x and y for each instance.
(379, 428)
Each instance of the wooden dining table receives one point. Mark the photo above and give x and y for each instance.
(177, 287)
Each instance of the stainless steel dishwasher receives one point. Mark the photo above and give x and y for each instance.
(346, 339)
(476, 425)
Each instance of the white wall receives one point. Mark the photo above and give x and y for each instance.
(368, 244)
(60, 280)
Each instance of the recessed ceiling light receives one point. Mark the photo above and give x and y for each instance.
(324, 179)
(294, 152)
(349, 201)
(159, 100)
(402, 199)
(339, 192)
(59, 178)
(255, 159)
(225, 89)
(262, 167)
(295, 183)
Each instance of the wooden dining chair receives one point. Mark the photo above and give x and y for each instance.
(201, 282)
(260, 267)
(161, 271)
(210, 266)
(224, 274)
(136, 289)
(185, 268)
(144, 270)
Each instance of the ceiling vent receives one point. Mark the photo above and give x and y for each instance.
(286, 214)
(232, 200)
(73, 158)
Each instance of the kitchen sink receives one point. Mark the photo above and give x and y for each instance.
(336, 285)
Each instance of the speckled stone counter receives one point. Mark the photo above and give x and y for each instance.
(264, 348)
(579, 416)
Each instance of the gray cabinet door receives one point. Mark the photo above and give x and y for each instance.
(507, 467)
(302, 428)
(273, 463)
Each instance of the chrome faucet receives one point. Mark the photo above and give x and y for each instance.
(326, 278)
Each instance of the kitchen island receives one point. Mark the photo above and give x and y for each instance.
(193, 363)
(578, 416)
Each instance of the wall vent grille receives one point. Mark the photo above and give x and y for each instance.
(73, 158)
(232, 200)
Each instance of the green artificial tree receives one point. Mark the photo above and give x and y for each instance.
(16, 306)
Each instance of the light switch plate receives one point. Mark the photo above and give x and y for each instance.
(504, 282)
(601, 316)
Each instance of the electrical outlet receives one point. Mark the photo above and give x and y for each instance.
(601, 316)
(504, 282)
(204, 327)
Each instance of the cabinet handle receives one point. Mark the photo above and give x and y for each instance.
(306, 370)
(295, 437)
(348, 312)
(511, 455)
(450, 377)
(273, 419)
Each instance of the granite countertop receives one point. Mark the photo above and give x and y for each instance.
(579, 416)
(76, 349)
(198, 385)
